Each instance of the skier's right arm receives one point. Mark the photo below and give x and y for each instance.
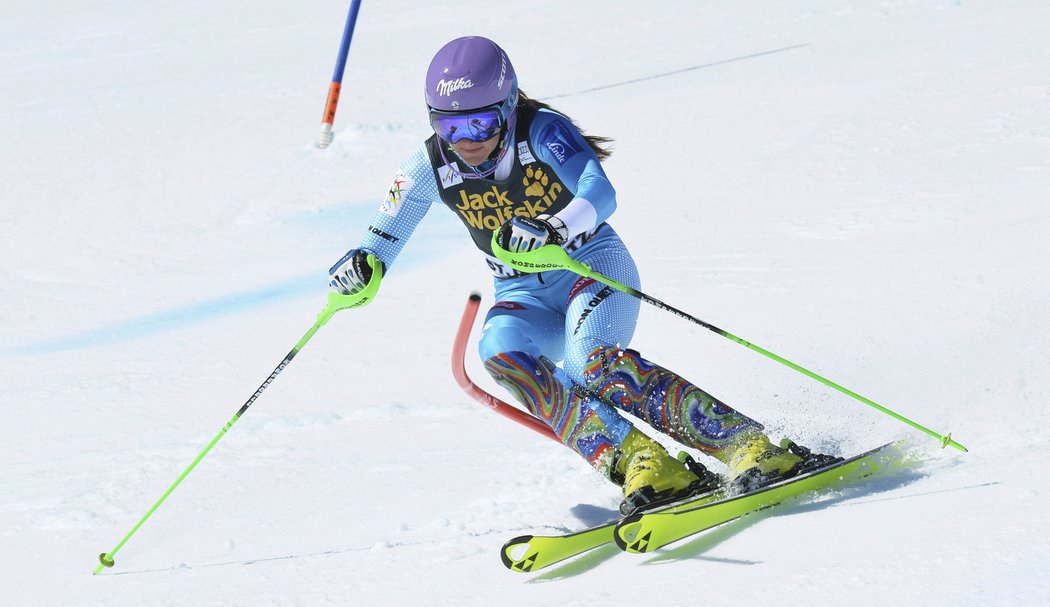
(411, 193)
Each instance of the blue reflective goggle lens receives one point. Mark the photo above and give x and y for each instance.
(480, 125)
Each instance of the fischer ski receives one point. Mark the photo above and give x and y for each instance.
(528, 553)
(656, 527)
(646, 531)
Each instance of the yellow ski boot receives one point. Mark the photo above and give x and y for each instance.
(755, 462)
(651, 477)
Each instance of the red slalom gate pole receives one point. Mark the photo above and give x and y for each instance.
(459, 371)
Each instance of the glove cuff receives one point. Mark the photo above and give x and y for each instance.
(557, 229)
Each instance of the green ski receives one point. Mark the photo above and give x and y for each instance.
(528, 553)
(647, 531)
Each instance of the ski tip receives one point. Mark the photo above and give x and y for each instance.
(475, 296)
(627, 533)
(513, 554)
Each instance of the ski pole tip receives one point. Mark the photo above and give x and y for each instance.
(105, 559)
(947, 441)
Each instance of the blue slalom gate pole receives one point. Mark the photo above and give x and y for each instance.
(337, 77)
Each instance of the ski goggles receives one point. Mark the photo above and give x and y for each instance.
(473, 125)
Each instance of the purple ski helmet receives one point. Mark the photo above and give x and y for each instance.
(470, 73)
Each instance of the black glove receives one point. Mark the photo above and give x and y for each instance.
(351, 273)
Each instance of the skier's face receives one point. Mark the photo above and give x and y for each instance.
(475, 152)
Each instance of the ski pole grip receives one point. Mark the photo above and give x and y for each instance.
(338, 301)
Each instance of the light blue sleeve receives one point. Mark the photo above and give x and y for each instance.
(412, 191)
(556, 141)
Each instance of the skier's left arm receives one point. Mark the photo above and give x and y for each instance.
(557, 142)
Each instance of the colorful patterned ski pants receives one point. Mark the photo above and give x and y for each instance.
(559, 316)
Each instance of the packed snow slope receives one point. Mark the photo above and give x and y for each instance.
(860, 187)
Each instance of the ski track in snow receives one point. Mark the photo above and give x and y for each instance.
(858, 187)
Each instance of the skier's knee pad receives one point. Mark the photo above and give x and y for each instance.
(510, 366)
(604, 360)
(528, 378)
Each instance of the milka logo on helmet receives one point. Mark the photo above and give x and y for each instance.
(445, 88)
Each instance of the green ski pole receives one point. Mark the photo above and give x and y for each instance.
(336, 302)
(553, 257)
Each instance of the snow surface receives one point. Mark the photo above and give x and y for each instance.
(858, 186)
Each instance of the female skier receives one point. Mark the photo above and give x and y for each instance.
(505, 163)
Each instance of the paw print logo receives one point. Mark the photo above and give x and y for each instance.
(536, 182)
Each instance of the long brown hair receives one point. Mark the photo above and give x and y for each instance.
(600, 145)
